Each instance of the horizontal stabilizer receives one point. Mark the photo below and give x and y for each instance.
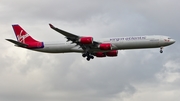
(17, 43)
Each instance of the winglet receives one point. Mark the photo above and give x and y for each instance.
(51, 26)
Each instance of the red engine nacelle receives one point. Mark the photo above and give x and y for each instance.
(86, 40)
(112, 53)
(100, 54)
(105, 46)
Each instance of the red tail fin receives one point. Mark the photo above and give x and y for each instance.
(23, 37)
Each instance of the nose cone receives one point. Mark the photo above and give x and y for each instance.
(172, 41)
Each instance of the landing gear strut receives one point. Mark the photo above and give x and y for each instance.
(88, 55)
(161, 50)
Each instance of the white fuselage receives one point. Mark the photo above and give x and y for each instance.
(118, 43)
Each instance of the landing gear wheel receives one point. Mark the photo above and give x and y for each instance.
(87, 58)
(92, 57)
(161, 51)
(88, 55)
(84, 55)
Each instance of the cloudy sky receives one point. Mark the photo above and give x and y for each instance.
(135, 75)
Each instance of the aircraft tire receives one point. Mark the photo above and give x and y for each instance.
(84, 55)
(92, 57)
(88, 59)
(161, 51)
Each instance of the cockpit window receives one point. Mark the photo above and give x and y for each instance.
(169, 38)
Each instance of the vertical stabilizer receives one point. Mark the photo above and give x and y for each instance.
(23, 37)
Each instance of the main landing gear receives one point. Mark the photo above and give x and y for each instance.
(161, 50)
(88, 55)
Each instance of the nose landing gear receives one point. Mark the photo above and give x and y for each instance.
(161, 50)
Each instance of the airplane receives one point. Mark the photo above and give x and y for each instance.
(106, 47)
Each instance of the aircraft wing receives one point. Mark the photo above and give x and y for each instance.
(75, 38)
(68, 35)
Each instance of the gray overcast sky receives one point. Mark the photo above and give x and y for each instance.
(135, 75)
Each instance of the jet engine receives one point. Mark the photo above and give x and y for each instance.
(86, 40)
(100, 54)
(112, 53)
(105, 46)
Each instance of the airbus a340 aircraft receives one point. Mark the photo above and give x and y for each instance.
(107, 47)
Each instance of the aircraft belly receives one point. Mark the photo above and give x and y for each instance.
(59, 49)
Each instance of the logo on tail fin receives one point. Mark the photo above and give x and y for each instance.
(21, 38)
